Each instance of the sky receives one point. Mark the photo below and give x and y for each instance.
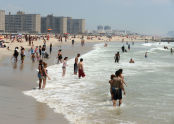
(143, 16)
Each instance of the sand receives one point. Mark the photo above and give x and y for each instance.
(17, 108)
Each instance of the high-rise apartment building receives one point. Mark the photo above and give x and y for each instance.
(55, 24)
(23, 23)
(78, 26)
(2, 21)
(62, 25)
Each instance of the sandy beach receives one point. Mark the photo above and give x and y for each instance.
(15, 107)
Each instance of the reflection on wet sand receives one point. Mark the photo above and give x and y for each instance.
(21, 66)
(14, 65)
(40, 111)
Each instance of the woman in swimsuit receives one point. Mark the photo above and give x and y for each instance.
(64, 66)
(40, 73)
(111, 82)
(45, 75)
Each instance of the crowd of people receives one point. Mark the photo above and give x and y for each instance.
(117, 83)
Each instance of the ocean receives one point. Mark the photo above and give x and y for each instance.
(149, 95)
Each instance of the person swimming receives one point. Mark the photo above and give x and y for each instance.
(131, 61)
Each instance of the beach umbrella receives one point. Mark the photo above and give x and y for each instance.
(50, 29)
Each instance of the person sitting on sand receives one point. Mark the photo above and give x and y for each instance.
(81, 69)
(117, 88)
(131, 61)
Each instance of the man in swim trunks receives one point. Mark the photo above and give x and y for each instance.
(117, 88)
(75, 64)
(81, 70)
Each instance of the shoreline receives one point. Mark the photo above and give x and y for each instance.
(25, 78)
(4, 52)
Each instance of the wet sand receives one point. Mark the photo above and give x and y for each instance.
(15, 107)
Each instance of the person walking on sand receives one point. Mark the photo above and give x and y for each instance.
(64, 66)
(76, 64)
(81, 69)
(51, 48)
(73, 42)
(117, 88)
(45, 75)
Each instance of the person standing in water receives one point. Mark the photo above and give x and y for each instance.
(121, 76)
(64, 66)
(123, 49)
(128, 46)
(81, 69)
(59, 56)
(40, 73)
(117, 88)
(117, 57)
(111, 82)
(22, 55)
(171, 50)
(76, 64)
(45, 75)
(145, 55)
(16, 53)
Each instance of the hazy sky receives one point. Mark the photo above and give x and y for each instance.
(143, 16)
